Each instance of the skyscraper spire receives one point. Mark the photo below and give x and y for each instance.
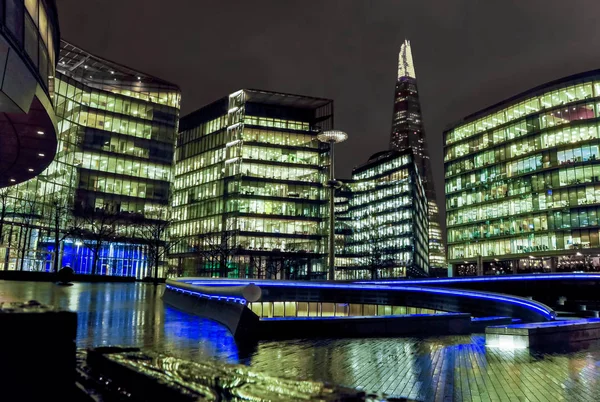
(406, 67)
(408, 133)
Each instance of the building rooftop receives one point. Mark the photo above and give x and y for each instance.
(538, 90)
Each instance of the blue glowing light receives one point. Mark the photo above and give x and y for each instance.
(229, 299)
(540, 308)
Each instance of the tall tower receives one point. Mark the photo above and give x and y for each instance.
(408, 133)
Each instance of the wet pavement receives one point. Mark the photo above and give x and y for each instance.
(437, 369)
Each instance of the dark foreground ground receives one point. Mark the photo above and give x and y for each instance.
(439, 368)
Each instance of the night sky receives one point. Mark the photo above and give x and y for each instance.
(468, 54)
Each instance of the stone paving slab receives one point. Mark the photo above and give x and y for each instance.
(451, 368)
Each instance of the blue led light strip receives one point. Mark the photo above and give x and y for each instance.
(207, 296)
(529, 304)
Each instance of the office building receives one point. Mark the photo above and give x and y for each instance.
(116, 140)
(387, 210)
(249, 199)
(29, 38)
(523, 182)
(408, 132)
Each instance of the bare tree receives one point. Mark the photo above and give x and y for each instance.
(27, 211)
(60, 224)
(217, 248)
(154, 234)
(95, 227)
(4, 208)
(375, 260)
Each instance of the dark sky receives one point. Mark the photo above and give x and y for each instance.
(468, 53)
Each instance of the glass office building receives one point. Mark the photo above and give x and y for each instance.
(116, 140)
(408, 132)
(387, 210)
(29, 38)
(523, 182)
(249, 199)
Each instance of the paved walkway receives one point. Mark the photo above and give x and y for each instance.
(439, 369)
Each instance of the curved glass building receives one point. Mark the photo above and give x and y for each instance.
(116, 142)
(523, 182)
(29, 40)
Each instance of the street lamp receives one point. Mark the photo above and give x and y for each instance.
(332, 137)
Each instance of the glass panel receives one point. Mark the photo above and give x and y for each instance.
(31, 40)
(32, 9)
(43, 24)
(14, 18)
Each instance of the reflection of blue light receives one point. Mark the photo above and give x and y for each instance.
(230, 299)
(544, 310)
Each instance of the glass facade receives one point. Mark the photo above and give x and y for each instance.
(408, 133)
(523, 182)
(387, 219)
(249, 198)
(29, 43)
(116, 140)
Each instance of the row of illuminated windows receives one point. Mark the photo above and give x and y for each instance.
(140, 91)
(202, 130)
(399, 250)
(496, 137)
(382, 206)
(379, 193)
(382, 168)
(199, 161)
(549, 139)
(110, 142)
(281, 155)
(203, 176)
(276, 123)
(555, 220)
(198, 193)
(313, 175)
(549, 199)
(550, 119)
(376, 232)
(268, 207)
(254, 243)
(567, 115)
(146, 208)
(122, 166)
(566, 176)
(356, 274)
(391, 218)
(101, 121)
(322, 309)
(268, 243)
(200, 209)
(107, 101)
(280, 138)
(526, 244)
(548, 99)
(277, 226)
(277, 190)
(127, 187)
(182, 228)
(524, 185)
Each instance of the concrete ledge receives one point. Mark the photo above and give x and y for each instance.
(479, 324)
(371, 326)
(556, 334)
(231, 312)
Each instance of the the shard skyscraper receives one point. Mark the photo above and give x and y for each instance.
(408, 133)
